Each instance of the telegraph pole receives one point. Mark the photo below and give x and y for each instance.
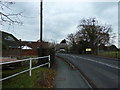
(40, 49)
(41, 19)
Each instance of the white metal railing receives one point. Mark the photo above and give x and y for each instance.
(30, 66)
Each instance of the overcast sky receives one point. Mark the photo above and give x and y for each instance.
(61, 18)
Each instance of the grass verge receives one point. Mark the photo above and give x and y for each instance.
(41, 78)
(112, 54)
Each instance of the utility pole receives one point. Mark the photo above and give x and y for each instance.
(41, 19)
(93, 21)
(40, 49)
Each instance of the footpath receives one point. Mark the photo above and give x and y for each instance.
(68, 77)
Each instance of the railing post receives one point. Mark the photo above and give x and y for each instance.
(49, 61)
(30, 67)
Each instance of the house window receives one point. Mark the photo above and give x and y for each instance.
(9, 38)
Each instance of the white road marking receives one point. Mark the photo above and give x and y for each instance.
(109, 65)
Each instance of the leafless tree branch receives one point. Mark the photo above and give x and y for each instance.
(10, 18)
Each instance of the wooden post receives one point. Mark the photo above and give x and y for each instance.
(49, 62)
(41, 20)
(30, 67)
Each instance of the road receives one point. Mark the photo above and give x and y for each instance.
(68, 77)
(102, 72)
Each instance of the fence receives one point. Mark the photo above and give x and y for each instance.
(11, 52)
(29, 53)
(30, 66)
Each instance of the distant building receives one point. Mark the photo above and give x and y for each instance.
(9, 41)
(10, 45)
(34, 45)
(62, 46)
(30, 48)
(103, 48)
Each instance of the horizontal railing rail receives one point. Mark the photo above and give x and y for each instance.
(30, 66)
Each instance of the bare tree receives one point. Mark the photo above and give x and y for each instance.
(72, 44)
(8, 17)
(90, 34)
(94, 33)
(71, 39)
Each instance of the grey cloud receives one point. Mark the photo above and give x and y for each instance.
(99, 7)
(61, 19)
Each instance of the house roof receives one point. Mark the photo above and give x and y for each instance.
(26, 47)
(5, 34)
(9, 41)
(34, 45)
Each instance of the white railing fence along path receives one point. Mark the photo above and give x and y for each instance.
(30, 66)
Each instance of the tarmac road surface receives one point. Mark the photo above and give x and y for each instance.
(103, 72)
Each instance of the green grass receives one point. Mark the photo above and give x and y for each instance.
(6, 73)
(25, 81)
(112, 54)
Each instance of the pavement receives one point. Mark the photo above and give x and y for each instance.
(104, 73)
(68, 77)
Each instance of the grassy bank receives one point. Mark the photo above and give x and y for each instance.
(111, 54)
(41, 78)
